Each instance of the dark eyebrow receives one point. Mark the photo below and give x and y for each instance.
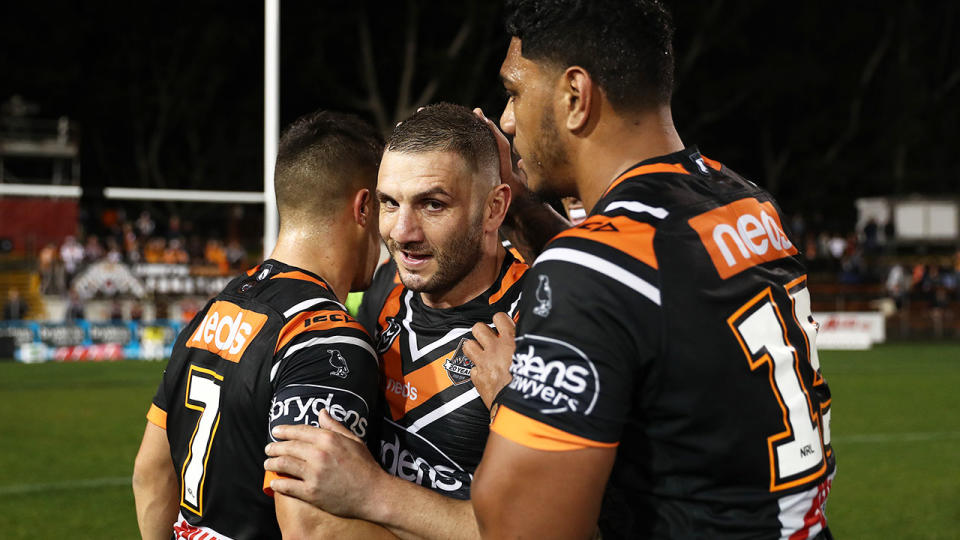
(437, 190)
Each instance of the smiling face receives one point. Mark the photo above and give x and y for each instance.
(530, 117)
(431, 214)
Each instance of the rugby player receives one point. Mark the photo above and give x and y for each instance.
(276, 346)
(441, 204)
(665, 377)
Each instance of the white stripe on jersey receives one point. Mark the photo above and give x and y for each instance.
(442, 410)
(338, 389)
(603, 266)
(184, 530)
(424, 439)
(416, 352)
(345, 340)
(310, 303)
(639, 208)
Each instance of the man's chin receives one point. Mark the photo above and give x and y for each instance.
(416, 282)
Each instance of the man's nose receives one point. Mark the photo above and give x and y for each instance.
(508, 122)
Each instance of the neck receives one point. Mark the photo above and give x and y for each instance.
(476, 282)
(618, 144)
(321, 250)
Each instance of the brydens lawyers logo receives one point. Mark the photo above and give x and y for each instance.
(741, 235)
(227, 330)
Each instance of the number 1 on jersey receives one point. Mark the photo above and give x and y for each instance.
(797, 453)
(203, 394)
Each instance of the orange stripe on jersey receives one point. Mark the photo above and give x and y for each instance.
(315, 320)
(648, 169)
(516, 254)
(407, 392)
(267, 477)
(390, 306)
(227, 330)
(629, 236)
(251, 271)
(157, 416)
(711, 162)
(514, 273)
(301, 276)
(539, 436)
(742, 234)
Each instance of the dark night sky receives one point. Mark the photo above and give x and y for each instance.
(820, 105)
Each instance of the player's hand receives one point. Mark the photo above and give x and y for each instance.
(491, 354)
(329, 467)
(515, 178)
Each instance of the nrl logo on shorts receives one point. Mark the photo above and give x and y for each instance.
(544, 297)
(458, 366)
(339, 363)
(385, 339)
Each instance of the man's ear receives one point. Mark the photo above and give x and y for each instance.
(362, 207)
(498, 201)
(577, 89)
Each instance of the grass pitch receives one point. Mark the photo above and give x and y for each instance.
(69, 433)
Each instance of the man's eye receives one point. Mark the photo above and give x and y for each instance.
(388, 204)
(433, 205)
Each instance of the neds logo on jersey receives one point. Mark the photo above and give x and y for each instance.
(227, 330)
(554, 373)
(741, 235)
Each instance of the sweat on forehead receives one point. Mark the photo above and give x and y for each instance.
(446, 127)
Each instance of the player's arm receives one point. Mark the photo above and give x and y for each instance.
(299, 519)
(559, 492)
(155, 485)
(530, 223)
(330, 468)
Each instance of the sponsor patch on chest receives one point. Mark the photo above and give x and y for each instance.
(458, 366)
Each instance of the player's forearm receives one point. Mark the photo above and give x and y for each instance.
(411, 511)
(530, 224)
(155, 494)
(299, 519)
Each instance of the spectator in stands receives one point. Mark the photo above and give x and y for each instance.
(136, 312)
(145, 224)
(175, 254)
(215, 254)
(75, 310)
(71, 253)
(154, 251)
(48, 265)
(16, 307)
(116, 312)
(898, 283)
(236, 255)
(93, 250)
(113, 251)
(871, 237)
(174, 228)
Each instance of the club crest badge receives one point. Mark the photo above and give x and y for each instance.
(385, 338)
(458, 366)
(339, 363)
(544, 297)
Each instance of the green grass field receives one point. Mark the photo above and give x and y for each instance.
(69, 433)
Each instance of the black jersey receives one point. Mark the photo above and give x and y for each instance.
(675, 323)
(274, 347)
(434, 425)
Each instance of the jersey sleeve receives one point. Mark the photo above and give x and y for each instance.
(325, 360)
(157, 413)
(588, 321)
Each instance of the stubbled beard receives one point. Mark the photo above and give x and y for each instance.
(457, 258)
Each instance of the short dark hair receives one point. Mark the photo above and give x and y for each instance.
(446, 127)
(625, 45)
(321, 158)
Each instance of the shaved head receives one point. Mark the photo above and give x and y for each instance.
(322, 159)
